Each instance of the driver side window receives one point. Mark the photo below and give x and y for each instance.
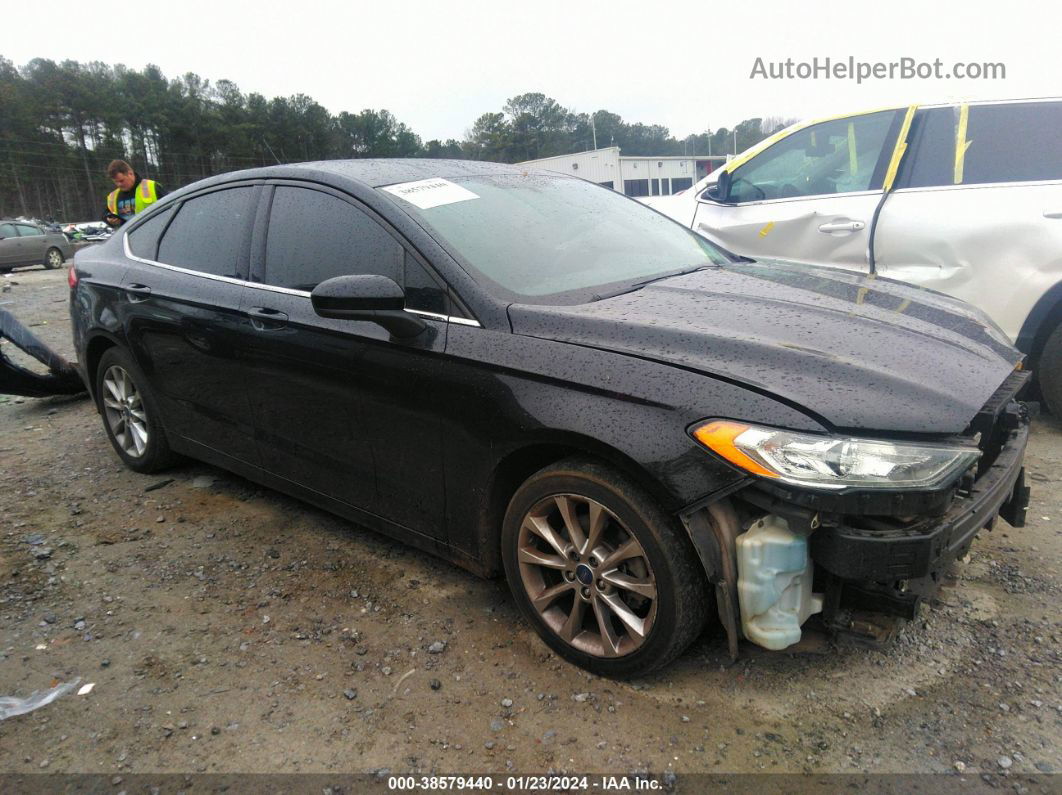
(839, 156)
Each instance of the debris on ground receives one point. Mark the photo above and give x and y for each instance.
(10, 706)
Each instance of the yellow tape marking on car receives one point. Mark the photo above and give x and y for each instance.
(767, 229)
(863, 292)
(906, 302)
(853, 157)
(961, 144)
(899, 149)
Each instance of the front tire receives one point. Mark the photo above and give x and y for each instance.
(1049, 371)
(130, 413)
(607, 579)
(53, 258)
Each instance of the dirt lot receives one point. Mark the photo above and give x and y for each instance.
(228, 628)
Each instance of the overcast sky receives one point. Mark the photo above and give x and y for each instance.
(438, 65)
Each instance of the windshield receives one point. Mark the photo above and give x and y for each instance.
(536, 235)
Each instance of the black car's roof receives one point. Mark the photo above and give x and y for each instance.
(374, 172)
(383, 171)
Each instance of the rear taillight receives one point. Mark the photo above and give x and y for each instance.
(71, 277)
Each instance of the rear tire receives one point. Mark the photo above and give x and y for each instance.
(53, 258)
(1049, 371)
(130, 413)
(607, 579)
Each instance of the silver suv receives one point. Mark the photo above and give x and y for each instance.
(961, 198)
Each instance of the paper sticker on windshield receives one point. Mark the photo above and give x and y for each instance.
(428, 193)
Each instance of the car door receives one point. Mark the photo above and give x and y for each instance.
(183, 321)
(809, 197)
(32, 243)
(9, 245)
(977, 211)
(339, 406)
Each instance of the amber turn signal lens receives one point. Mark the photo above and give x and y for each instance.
(719, 435)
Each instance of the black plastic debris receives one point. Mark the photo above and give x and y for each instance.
(61, 379)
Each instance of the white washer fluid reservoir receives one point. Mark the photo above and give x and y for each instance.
(774, 583)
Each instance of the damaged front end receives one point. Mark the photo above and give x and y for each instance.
(861, 559)
(61, 377)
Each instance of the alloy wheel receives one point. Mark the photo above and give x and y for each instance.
(124, 409)
(54, 259)
(586, 575)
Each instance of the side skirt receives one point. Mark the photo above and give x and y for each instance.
(373, 522)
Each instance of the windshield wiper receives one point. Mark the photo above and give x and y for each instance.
(663, 276)
(630, 288)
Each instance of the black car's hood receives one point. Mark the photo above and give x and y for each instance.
(859, 352)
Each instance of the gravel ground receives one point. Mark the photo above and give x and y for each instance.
(228, 628)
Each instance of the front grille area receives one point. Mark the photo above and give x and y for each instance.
(999, 417)
(987, 419)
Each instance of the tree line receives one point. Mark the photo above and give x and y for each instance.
(62, 123)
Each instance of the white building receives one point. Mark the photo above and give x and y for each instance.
(634, 176)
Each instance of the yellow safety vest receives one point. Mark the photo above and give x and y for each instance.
(145, 195)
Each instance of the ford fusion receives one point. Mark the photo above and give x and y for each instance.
(529, 374)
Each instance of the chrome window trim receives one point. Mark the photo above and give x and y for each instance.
(129, 254)
(274, 289)
(461, 321)
(431, 315)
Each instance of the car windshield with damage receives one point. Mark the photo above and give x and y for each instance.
(535, 236)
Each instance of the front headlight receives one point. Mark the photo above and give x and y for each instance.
(831, 462)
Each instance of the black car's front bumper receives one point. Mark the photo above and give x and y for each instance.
(915, 551)
(878, 556)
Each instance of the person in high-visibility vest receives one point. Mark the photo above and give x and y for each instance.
(131, 195)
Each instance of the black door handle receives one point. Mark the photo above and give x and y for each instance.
(138, 292)
(265, 319)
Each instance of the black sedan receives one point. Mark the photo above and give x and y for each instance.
(526, 373)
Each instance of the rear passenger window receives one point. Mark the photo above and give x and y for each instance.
(208, 233)
(314, 236)
(144, 238)
(1016, 142)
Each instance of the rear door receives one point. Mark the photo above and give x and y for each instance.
(811, 196)
(32, 242)
(977, 212)
(183, 320)
(339, 406)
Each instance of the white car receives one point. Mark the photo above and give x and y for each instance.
(961, 198)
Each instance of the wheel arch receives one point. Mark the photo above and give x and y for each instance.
(1046, 314)
(97, 345)
(520, 463)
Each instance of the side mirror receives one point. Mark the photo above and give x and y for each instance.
(719, 191)
(376, 299)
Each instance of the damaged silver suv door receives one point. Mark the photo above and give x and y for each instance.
(961, 198)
